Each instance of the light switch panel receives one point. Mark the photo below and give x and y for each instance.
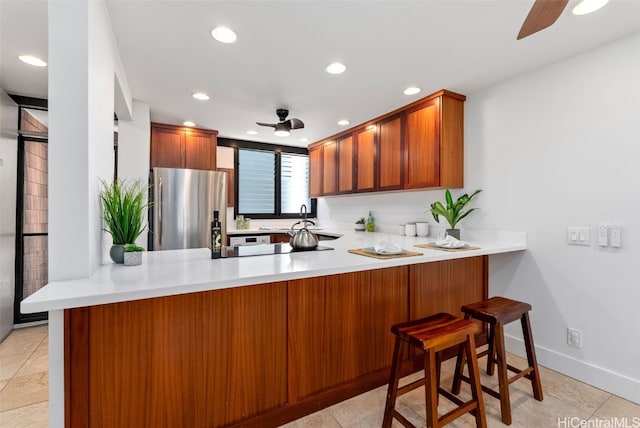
(578, 236)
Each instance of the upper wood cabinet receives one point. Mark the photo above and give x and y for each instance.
(417, 146)
(329, 171)
(390, 155)
(366, 155)
(180, 147)
(345, 164)
(315, 171)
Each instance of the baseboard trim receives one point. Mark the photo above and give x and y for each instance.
(599, 377)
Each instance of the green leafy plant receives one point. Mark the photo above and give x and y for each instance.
(123, 205)
(360, 220)
(130, 248)
(454, 210)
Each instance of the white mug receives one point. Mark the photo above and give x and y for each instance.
(410, 229)
(422, 229)
(401, 229)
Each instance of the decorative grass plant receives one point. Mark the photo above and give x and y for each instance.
(123, 205)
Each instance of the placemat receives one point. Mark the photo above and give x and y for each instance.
(363, 252)
(435, 247)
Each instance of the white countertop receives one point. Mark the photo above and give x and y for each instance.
(165, 273)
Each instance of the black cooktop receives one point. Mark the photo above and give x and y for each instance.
(264, 250)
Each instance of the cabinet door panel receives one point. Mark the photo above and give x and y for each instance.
(366, 154)
(200, 150)
(167, 147)
(315, 172)
(390, 154)
(329, 185)
(339, 326)
(188, 360)
(345, 164)
(422, 147)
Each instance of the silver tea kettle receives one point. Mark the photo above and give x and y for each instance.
(302, 239)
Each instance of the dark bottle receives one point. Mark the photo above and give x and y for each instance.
(216, 237)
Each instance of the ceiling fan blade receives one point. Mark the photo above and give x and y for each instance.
(273, 125)
(543, 14)
(295, 123)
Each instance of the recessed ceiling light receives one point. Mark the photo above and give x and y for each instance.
(303, 140)
(588, 6)
(200, 96)
(224, 35)
(343, 122)
(336, 68)
(252, 132)
(412, 90)
(188, 123)
(32, 60)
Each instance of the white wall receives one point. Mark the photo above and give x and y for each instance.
(82, 60)
(554, 148)
(133, 152)
(8, 182)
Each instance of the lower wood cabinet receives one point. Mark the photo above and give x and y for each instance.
(258, 355)
(339, 327)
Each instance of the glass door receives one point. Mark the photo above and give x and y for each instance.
(32, 208)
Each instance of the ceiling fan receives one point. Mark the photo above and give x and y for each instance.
(284, 127)
(543, 14)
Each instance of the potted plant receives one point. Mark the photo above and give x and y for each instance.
(359, 227)
(453, 211)
(132, 255)
(123, 206)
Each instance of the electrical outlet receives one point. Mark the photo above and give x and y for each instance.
(603, 235)
(616, 235)
(574, 337)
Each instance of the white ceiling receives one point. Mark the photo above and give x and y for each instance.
(284, 46)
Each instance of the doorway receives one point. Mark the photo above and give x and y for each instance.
(32, 210)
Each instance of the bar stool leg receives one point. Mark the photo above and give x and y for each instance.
(531, 357)
(392, 391)
(431, 388)
(491, 352)
(503, 378)
(459, 370)
(476, 386)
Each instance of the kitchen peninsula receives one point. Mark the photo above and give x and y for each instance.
(183, 340)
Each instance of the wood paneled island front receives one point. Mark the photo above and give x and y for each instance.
(255, 354)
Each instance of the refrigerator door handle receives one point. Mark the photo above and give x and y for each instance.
(160, 210)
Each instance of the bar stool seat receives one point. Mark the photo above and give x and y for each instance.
(432, 335)
(498, 311)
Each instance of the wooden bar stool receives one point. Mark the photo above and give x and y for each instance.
(498, 311)
(432, 335)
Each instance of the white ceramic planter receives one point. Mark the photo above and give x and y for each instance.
(132, 258)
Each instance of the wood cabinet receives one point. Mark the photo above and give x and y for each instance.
(329, 170)
(366, 156)
(390, 154)
(181, 147)
(192, 360)
(419, 146)
(315, 171)
(259, 355)
(339, 327)
(345, 164)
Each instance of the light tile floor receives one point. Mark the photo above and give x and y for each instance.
(24, 389)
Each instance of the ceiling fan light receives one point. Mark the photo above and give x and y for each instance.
(281, 133)
(588, 6)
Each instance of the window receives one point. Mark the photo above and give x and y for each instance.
(272, 181)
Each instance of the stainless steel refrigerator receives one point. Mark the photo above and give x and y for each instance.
(183, 201)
